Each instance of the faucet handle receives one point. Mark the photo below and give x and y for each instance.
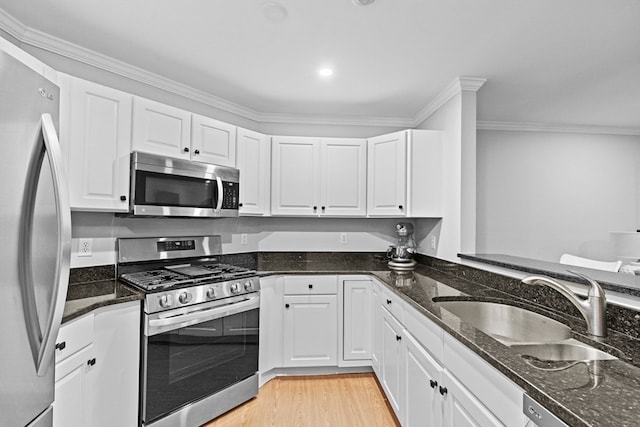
(595, 290)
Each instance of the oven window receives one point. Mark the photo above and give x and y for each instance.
(193, 362)
(157, 189)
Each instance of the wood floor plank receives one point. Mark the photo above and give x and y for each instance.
(353, 400)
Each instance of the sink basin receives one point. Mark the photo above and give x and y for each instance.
(563, 351)
(507, 323)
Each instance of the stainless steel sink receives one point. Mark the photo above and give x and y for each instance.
(528, 333)
(507, 323)
(562, 351)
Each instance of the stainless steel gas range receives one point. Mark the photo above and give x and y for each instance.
(200, 328)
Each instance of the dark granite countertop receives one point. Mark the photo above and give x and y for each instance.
(82, 298)
(598, 393)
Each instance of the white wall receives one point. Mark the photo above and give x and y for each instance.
(456, 231)
(542, 194)
(263, 234)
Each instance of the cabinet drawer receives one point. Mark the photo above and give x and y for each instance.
(310, 285)
(74, 336)
(392, 302)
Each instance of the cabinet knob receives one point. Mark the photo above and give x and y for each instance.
(388, 301)
(322, 208)
(310, 286)
(91, 362)
(398, 337)
(315, 208)
(185, 149)
(239, 205)
(286, 306)
(443, 390)
(61, 345)
(400, 207)
(196, 152)
(123, 198)
(433, 383)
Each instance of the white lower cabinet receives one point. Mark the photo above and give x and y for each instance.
(73, 389)
(97, 369)
(462, 408)
(392, 361)
(357, 319)
(310, 330)
(423, 374)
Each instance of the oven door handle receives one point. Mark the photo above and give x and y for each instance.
(164, 324)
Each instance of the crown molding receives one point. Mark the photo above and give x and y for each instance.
(455, 87)
(560, 128)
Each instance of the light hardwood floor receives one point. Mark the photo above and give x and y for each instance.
(353, 400)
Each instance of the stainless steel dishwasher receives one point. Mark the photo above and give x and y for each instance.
(538, 415)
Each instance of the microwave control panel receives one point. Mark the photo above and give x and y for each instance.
(231, 194)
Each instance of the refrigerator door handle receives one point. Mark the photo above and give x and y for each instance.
(42, 342)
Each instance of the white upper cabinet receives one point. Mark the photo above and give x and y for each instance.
(295, 176)
(213, 141)
(161, 129)
(95, 134)
(254, 161)
(343, 177)
(318, 177)
(405, 174)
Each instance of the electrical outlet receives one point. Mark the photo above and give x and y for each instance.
(85, 247)
(343, 239)
(433, 242)
(243, 239)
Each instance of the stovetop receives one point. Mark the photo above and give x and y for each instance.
(184, 275)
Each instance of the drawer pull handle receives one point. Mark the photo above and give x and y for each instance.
(433, 383)
(61, 345)
(91, 362)
(443, 390)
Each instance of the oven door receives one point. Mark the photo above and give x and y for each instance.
(191, 354)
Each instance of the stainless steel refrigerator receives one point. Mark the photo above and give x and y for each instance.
(35, 243)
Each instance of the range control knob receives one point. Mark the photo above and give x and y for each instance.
(166, 301)
(235, 288)
(184, 297)
(248, 285)
(211, 293)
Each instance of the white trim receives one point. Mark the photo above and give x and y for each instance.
(455, 87)
(549, 127)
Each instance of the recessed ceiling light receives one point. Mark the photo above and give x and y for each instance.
(325, 72)
(363, 2)
(274, 12)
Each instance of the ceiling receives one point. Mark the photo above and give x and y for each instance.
(559, 62)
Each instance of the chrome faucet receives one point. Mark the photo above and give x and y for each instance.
(593, 309)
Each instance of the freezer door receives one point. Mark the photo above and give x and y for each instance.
(35, 226)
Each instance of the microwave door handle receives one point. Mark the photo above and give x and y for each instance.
(218, 207)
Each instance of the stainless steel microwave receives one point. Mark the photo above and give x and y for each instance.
(164, 186)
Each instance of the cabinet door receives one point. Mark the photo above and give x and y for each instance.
(254, 162)
(115, 380)
(387, 175)
(422, 401)
(96, 137)
(271, 326)
(73, 390)
(213, 141)
(310, 330)
(161, 129)
(377, 336)
(295, 176)
(357, 319)
(343, 177)
(463, 409)
(392, 361)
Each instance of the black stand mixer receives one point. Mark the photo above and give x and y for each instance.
(400, 255)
